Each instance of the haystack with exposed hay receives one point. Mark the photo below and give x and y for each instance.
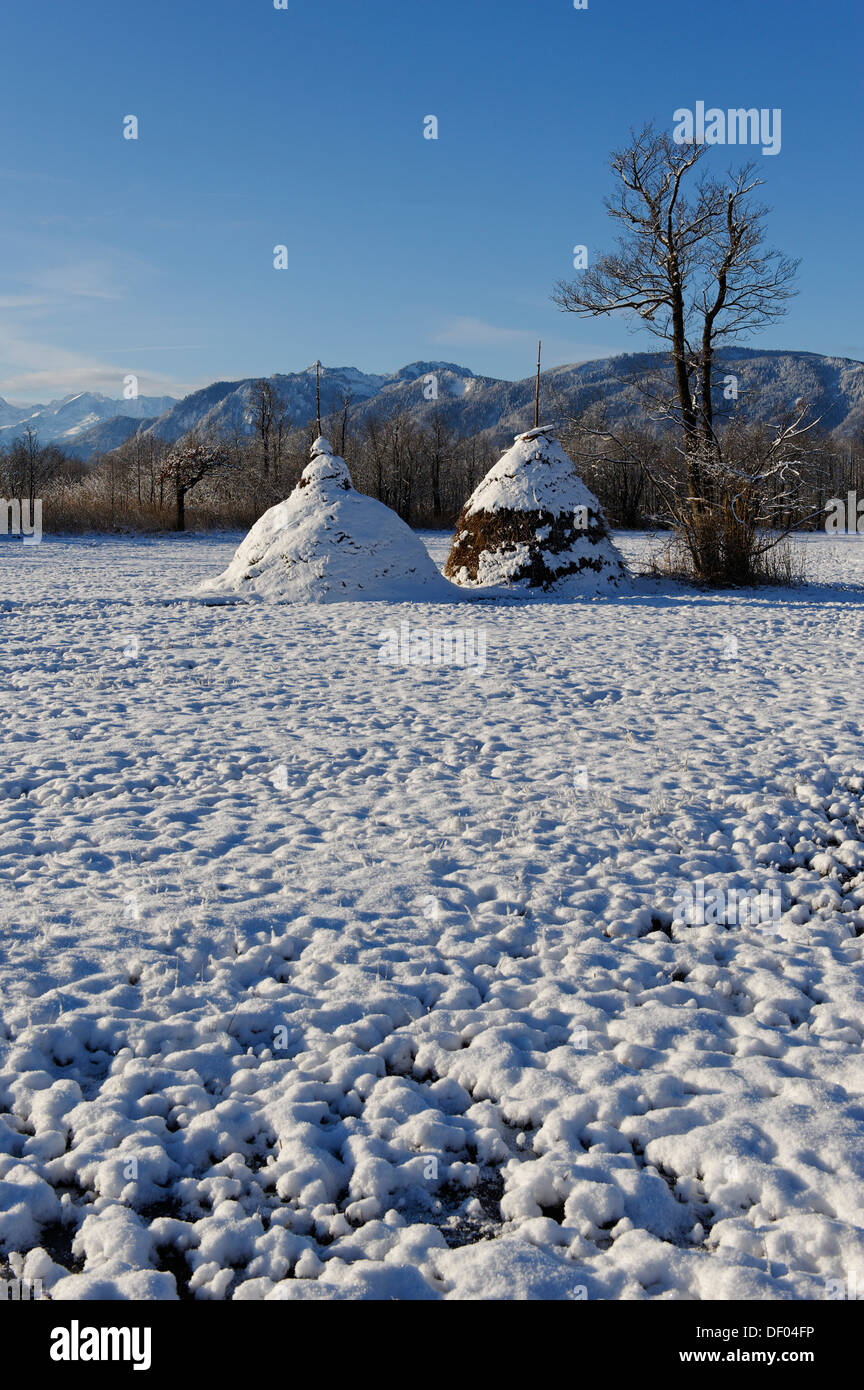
(532, 524)
(327, 542)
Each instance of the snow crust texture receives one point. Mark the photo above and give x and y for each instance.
(328, 979)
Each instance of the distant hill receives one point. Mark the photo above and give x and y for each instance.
(108, 435)
(65, 421)
(769, 384)
(226, 406)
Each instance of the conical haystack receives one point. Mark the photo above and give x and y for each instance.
(327, 543)
(532, 524)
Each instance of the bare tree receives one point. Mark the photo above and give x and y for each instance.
(269, 421)
(186, 466)
(343, 421)
(692, 267)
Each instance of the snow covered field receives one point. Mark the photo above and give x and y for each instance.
(327, 978)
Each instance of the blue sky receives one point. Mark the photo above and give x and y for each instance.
(304, 127)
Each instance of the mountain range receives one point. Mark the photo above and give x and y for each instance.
(66, 421)
(769, 383)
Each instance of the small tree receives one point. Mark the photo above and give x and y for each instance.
(190, 461)
(692, 267)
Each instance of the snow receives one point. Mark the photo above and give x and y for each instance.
(327, 543)
(496, 569)
(71, 417)
(533, 475)
(415, 1020)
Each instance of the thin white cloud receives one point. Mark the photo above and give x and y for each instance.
(61, 287)
(33, 176)
(470, 332)
(557, 350)
(81, 280)
(161, 347)
(32, 370)
(24, 301)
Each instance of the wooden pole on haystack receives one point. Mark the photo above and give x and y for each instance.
(318, 395)
(537, 392)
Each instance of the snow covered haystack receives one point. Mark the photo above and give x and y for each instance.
(533, 524)
(328, 543)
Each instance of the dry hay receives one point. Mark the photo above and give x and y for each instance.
(533, 524)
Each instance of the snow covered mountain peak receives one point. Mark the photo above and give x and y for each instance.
(771, 381)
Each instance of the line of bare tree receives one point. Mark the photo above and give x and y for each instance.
(423, 471)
